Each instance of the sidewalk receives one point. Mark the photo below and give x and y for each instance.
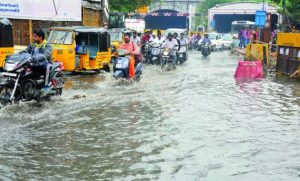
(238, 51)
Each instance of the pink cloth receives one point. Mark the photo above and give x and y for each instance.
(131, 47)
(249, 70)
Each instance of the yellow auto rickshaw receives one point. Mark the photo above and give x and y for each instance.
(116, 37)
(81, 48)
(6, 40)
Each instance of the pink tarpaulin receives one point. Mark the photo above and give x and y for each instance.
(249, 70)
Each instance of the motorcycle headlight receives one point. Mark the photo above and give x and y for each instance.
(166, 53)
(155, 51)
(10, 66)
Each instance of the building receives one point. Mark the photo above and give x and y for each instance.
(221, 16)
(176, 6)
(28, 15)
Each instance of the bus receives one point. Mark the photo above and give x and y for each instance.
(236, 26)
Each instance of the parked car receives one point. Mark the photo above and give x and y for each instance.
(227, 41)
(216, 41)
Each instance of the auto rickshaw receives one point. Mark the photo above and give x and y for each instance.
(116, 37)
(81, 48)
(6, 40)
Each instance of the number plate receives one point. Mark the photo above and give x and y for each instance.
(7, 74)
(119, 65)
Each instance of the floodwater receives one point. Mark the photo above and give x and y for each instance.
(195, 123)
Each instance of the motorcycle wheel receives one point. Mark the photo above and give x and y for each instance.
(60, 82)
(5, 94)
(29, 89)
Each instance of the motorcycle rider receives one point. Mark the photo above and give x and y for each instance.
(206, 40)
(183, 40)
(134, 51)
(171, 44)
(175, 36)
(160, 38)
(41, 46)
(153, 39)
(136, 39)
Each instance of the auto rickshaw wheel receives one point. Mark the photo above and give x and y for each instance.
(106, 68)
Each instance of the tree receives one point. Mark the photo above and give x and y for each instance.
(290, 8)
(126, 6)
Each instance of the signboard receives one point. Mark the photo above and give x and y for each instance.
(135, 24)
(260, 18)
(51, 10)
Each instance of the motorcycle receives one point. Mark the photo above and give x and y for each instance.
(155, 55)
(205, 50)
(121, 66)
(22, 83)
(182, 54)
(167, 59)
(145, 51)
(193, 45)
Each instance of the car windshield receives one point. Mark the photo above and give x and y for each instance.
(60, 37)
(115, 36)
(227, 37)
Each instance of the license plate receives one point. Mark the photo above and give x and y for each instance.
(7, 74)
(119, 66)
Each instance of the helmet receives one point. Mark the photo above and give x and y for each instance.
(170, 35)
(154, 34)
(127, 32)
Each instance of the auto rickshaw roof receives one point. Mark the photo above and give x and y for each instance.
(82, 29)
(121, 30)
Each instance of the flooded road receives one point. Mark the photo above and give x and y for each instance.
(195, 123)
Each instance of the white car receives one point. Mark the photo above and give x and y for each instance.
(216, 40)
(227, 41)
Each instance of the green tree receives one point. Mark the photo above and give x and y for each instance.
(290, 8)
(126, 6)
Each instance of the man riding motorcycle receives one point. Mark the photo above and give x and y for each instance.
(134, 50)
(175, 36)
(183, 40)
(136, 39)
(206, 40)
(153, 39)
(160, 38)
(172, 44)
(41, 47)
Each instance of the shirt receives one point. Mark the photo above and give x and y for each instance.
(153, 40)
(170, 44)
(161, 39)
(183, 41)
(136, 40)
(145, 38)
(131, 47)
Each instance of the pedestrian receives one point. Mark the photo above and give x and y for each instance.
(241, 38)
(248, 36)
